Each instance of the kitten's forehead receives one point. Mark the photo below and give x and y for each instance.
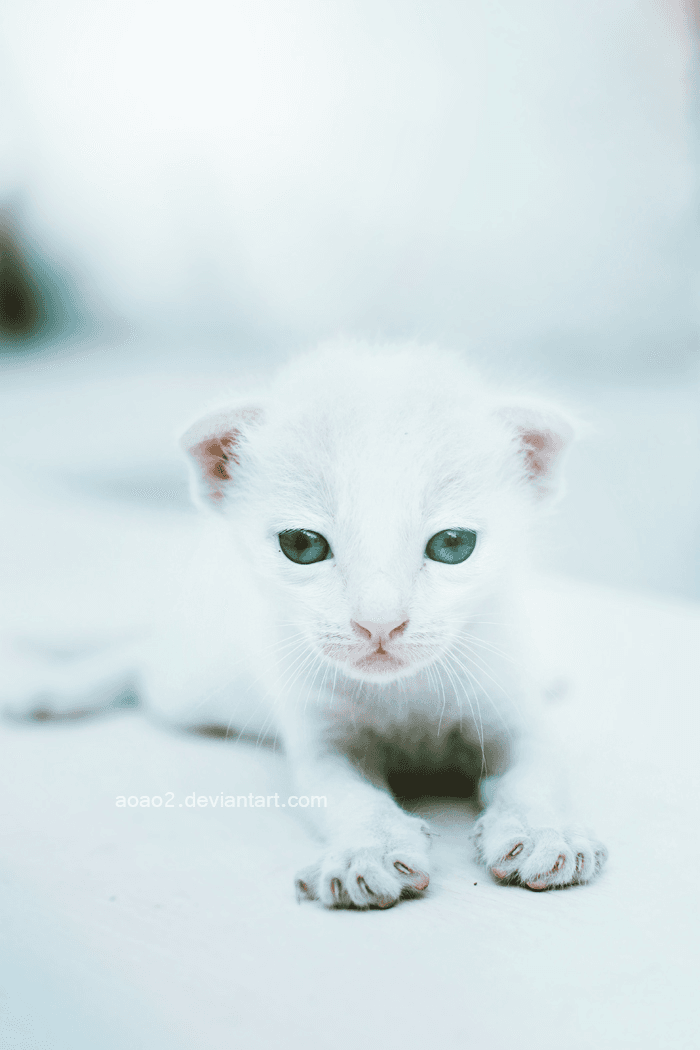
(387, 451)
(384, 405)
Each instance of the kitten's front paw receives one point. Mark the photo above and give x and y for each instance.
(365, 877)
(536, 857)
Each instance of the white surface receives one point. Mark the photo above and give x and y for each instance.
(178, 928)
(192, 910)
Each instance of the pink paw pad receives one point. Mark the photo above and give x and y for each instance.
(420, 879)
(540, 883)
(537, 886)
(502, 873)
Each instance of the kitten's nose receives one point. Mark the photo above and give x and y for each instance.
(380, 632)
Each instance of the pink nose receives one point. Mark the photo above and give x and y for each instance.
(380, 632)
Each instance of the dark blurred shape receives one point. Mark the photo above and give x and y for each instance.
(419, 771)
(410, 785)
(20, 297)
(38, 303)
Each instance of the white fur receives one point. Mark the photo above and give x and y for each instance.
(377, 449)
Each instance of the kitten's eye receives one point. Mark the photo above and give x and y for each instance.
(451, 546)
(304, 546)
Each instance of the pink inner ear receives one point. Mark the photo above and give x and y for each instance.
(542, 435)
(214, 455)
(214, 443)
(541, 447)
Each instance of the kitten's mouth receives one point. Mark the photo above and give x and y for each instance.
(369, 661)
(379, 662)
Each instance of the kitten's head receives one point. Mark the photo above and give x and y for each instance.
(384, 494)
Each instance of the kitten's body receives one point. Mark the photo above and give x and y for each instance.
(377, 451)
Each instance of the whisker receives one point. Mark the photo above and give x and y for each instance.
(487, 696)
(476, 716)
(441, 663)
(313, 680)
(267, 692)
(481, 663)
(301, 663)
(444, 698)
(490, 647)
(483, 666)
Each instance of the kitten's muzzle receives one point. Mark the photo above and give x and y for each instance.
(379, 633)
(377, 650)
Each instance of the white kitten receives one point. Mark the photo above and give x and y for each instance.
(367, 525)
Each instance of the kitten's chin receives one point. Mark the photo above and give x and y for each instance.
(378, 668)
(379, 664)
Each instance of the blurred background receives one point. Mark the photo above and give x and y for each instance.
(190, 193)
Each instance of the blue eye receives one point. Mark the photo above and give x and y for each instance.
(451, 546)
(304, 546)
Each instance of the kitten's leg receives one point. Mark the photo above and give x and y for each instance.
(44, 687)
(522, 835)
(374, 851)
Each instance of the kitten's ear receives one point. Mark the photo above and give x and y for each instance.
(540, 435)
(212, 446)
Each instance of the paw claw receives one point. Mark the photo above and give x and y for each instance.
(538, 858)
(304, 889)
(418, 879)
(373, 876)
